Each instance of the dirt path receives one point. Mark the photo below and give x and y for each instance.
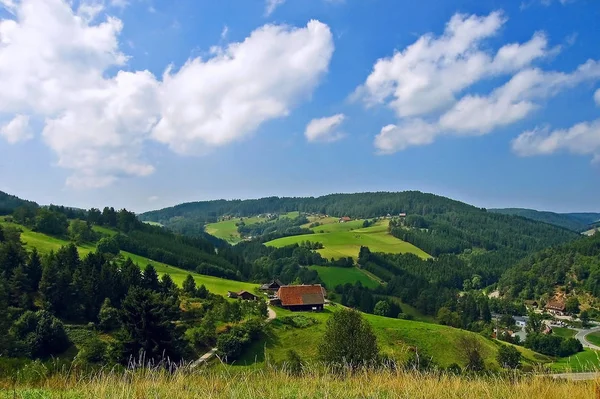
(212, 353)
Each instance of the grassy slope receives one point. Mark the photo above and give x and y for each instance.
(395, 338)
(227, 230)
(345, 239)
(588, 360)
(593, 338)
(334, 276)
(45, 244)
(563, 332)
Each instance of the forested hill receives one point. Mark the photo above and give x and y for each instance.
(573, 221)
(8, 203)
(574, 266)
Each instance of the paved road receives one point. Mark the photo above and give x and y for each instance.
(581, 334)
(212, 353)
(573, 376)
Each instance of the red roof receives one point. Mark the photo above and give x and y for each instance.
(346, 219)
(292, 295)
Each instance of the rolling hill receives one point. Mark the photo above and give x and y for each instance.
(8, 203)
(45, 243)
(578, 222)
(345, 239)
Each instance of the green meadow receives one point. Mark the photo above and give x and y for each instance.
(564, 332)
(334, 276)
(588, 360)
(227, 229)
(45, 244)
(302, 332)
(345, 239)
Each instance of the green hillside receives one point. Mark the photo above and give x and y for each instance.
(333, 276)
(8, 203)
(302, 331)
(345, 239)
(45, 243)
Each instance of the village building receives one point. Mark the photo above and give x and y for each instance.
(345, 219)
(243, 295)
(556, 307)
(272, 286)
(521, 321)
(531, 304)
(301, 297)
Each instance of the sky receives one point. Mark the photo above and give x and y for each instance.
(145, 104)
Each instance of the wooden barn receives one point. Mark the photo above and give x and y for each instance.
(302, 297)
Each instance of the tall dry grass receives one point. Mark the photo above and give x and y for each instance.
(312, 383)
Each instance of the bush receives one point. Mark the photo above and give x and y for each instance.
(40, 334)
(508, 357)
(108, 317)
(231, 344)
(92, 351)
(294, 364)
(348, 340)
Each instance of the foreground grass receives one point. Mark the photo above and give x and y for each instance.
(334, 276)
(269, 383)
(588, 360)
(340, 241)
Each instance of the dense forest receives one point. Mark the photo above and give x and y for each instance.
(39, 295)
(574, 266)
(8, 203)
(573, 221)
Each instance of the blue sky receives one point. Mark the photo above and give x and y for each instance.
(147, 103)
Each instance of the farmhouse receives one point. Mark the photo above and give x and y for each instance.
(302, 297)
(345, 219)
(243, 295)
(246, 296)
(272, 286)
(556, 307)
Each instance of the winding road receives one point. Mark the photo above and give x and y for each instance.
(581, 334)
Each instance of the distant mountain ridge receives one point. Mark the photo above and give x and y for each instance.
(578, 222)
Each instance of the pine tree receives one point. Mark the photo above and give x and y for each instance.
(34, 269)
(20, 289)
(189, 285)
(150, 278)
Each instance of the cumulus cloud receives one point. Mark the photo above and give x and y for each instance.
(423, 83)
(428, 74)
(16, 130)
(597, 97)
(325, 129)
(56, 63)
(211, 103)
(582, 139)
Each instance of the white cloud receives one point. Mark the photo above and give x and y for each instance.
(271, 5)
(412, 132)
(153, 198)
(211, 103)
(16, 130)
(56, 65)
(428, 74)
(597, 97)
(582, 139)
(325, 129)
(422, 82)
(224, 32)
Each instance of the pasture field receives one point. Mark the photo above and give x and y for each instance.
(334, 276)
(593, 338)
(588, 360)
(342, 242)
(396, 338)
(227, 229)
(564, 332)
(45, 244)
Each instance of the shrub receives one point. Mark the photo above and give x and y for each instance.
(40, 334)
(348, 340)
(108, 317)
(508, 357)
(92, 351)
